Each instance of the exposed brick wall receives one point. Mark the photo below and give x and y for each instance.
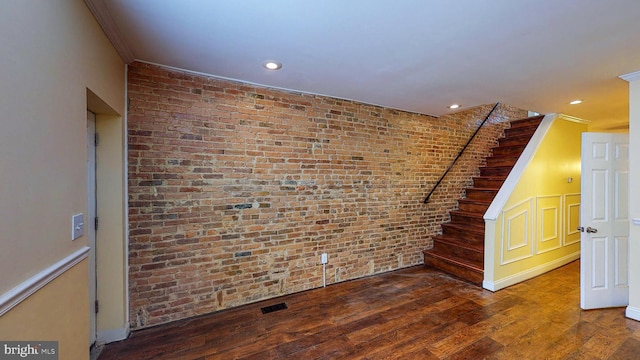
(235, 190)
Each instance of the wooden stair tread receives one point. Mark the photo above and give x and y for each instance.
(527, 121)
(479, 201)
(496, 167)
(475, 219)
(525, 127)
(496, 170)
(450, 240)
(469, 272)
(454, 259)
(515, 141)
(519, 136)
(490, 178)
(459, 250)
(508, 150)
(505, 156)
(477, 193)
(463, 227)
(468, 214)
(483, 189)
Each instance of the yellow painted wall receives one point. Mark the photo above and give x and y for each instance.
(537, 225)
(56, 313)
(52, 52)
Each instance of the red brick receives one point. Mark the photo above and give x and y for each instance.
(230, 203)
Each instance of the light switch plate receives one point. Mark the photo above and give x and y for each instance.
(77, 223)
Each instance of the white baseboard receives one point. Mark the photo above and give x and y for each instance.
(15, 296)
(111, 335)
(633, 313)
(529, 273)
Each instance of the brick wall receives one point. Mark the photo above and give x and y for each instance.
(235, 190)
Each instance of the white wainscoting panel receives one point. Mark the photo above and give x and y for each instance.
(517, 229)
(549, 223)
(572, 219)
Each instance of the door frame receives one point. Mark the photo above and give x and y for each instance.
(111, 189)
(90, 227)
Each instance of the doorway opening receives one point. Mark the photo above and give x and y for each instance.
(107, 212)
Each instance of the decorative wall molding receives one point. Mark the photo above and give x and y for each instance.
(15, 296)
(574, 119)
(572, 206)
(102, 15)
(517, 223)
(530, 273)
(549, 214)
(633, 76)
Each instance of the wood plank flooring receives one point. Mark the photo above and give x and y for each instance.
(415, 313)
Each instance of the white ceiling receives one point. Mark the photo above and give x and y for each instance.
(416, 55)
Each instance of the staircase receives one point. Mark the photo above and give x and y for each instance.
(460, 248)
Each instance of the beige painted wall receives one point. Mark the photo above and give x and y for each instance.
(56, 313)
(634, 199)
(52, 52)
(536, 229)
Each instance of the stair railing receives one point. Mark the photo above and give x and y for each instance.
(426, 200)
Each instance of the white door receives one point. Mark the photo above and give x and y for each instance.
(90, 220)
(604, 218)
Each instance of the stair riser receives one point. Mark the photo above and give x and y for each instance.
(487, 183)
(473, 221)
(515, 141)
(508, 150)
(488, 195)
(452, 268)
(465, 235)
(520, 131)
(472, 207)
(501, 161)
(495, 171)
(462, 253)
(526, 122)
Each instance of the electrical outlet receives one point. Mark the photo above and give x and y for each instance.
(323, 259)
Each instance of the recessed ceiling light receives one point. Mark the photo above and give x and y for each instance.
(454, 106)
(575, 102)
(272, 65)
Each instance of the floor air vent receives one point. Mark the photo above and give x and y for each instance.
(272, 308)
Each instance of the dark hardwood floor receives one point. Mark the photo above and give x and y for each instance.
(415, 313)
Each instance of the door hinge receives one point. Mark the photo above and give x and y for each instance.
(97, 307)
(95, 223)
(96, 139)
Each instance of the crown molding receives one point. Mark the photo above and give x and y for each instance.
(633, 76)
(574, 119)
(102, 15)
